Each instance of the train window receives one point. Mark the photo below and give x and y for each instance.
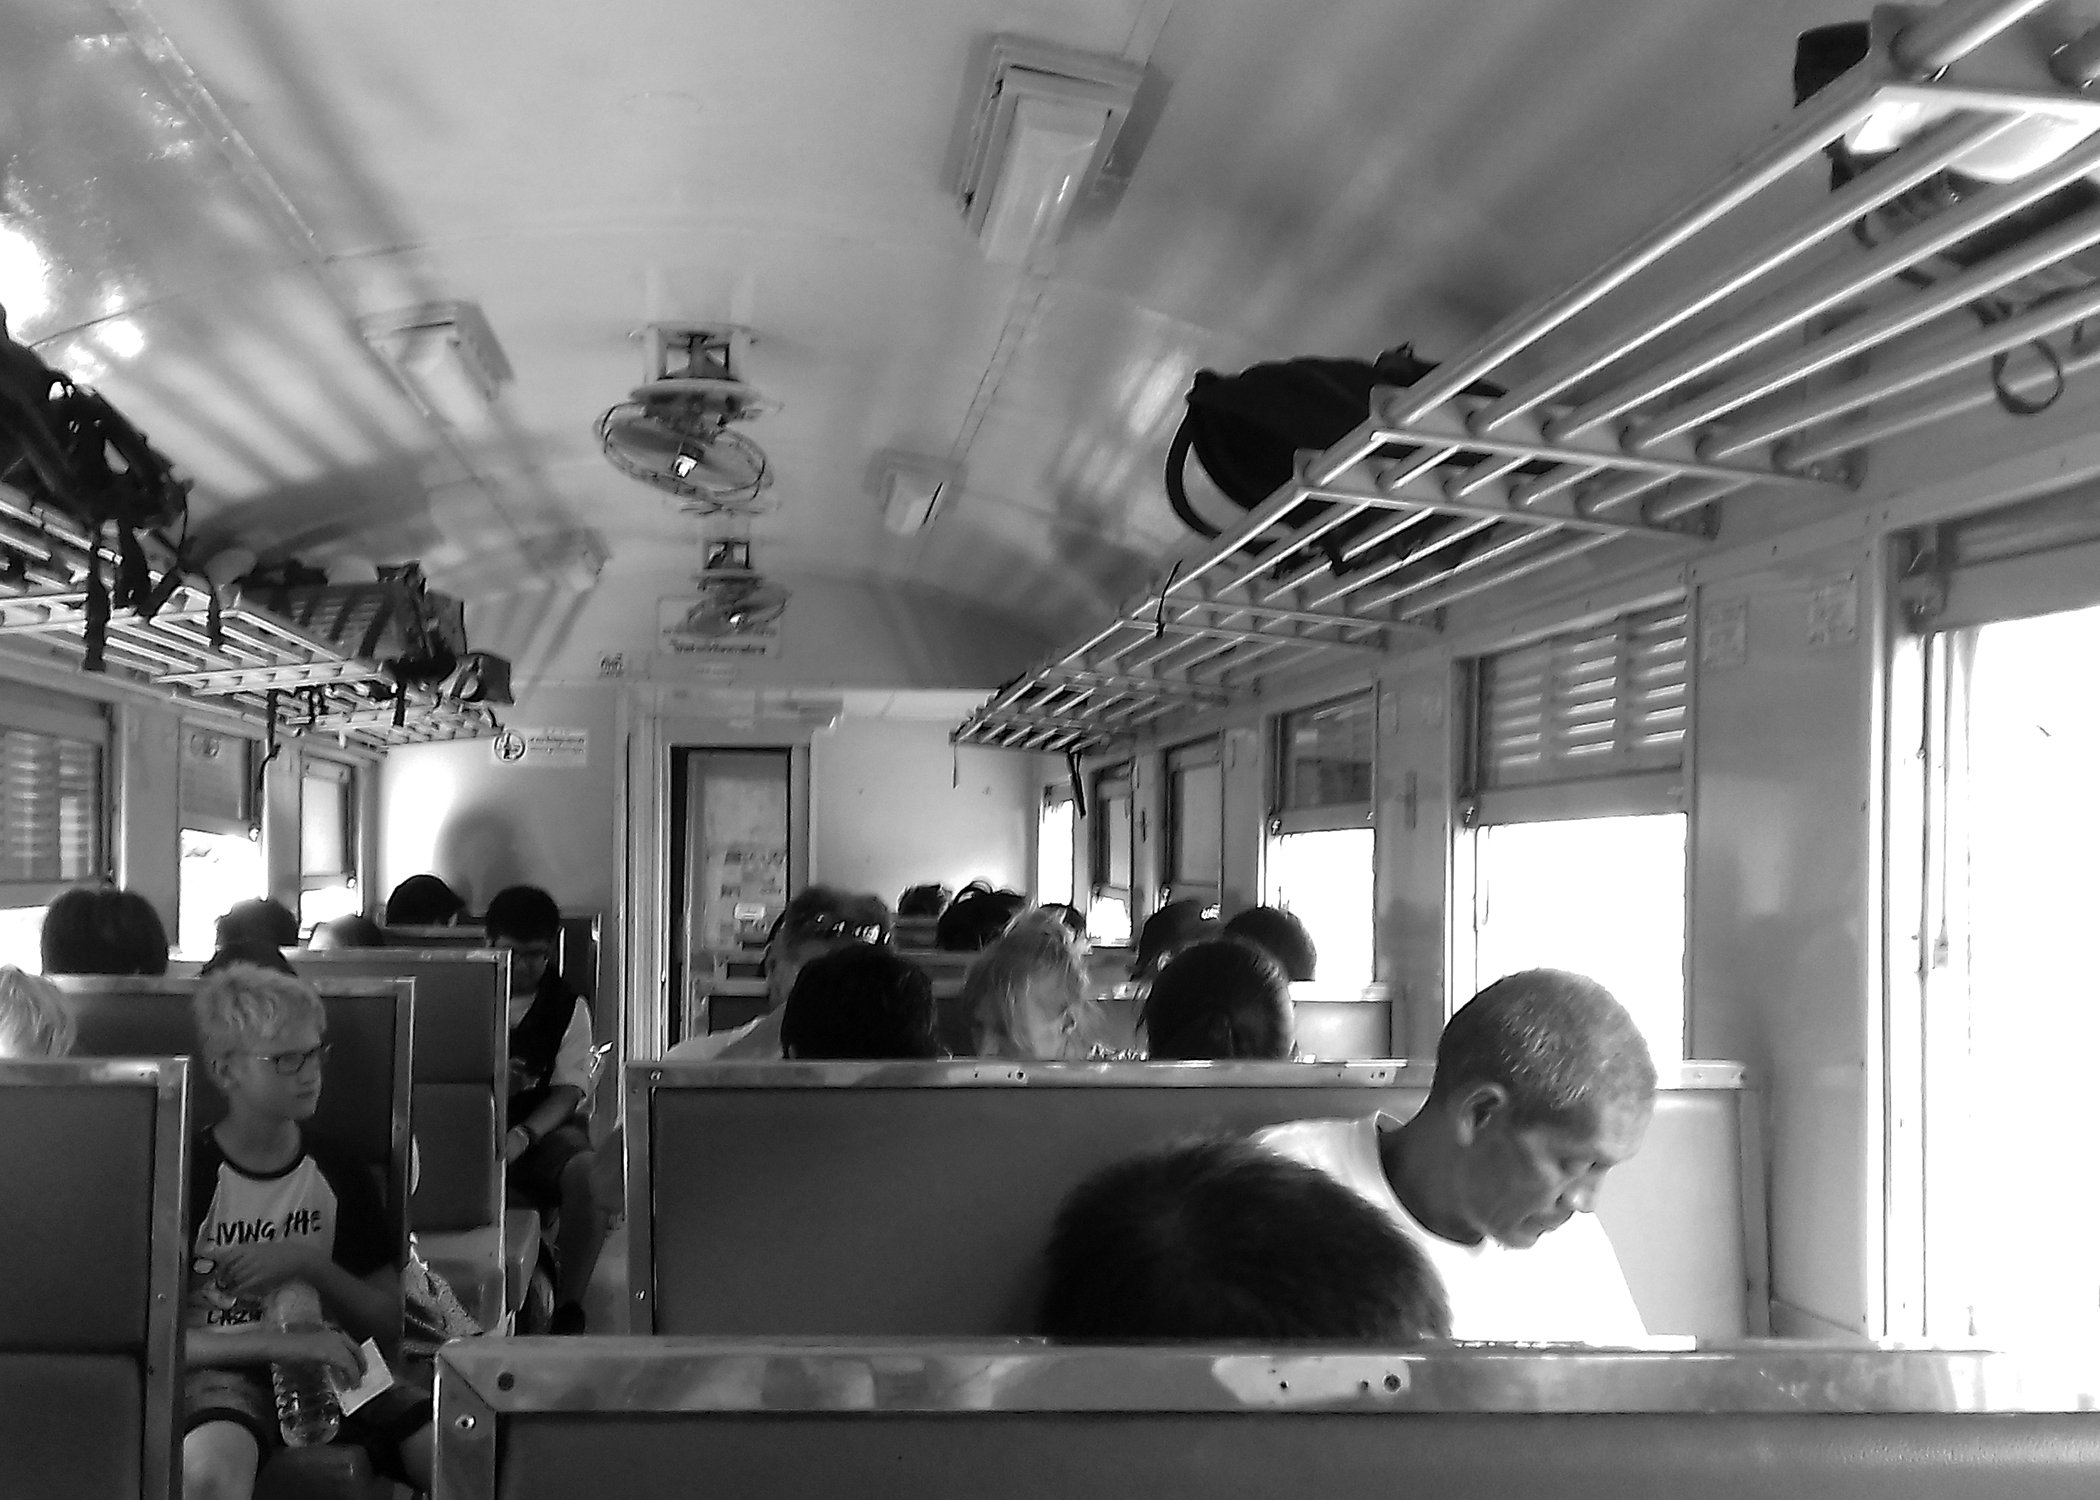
(327, 843)
(1321, 859)
(1195, 822)
(1054, 832)
(1576, 846)
(54, 815)
(222, 854)
(1112, 892)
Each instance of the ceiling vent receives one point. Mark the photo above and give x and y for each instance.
(446, 353)
(677, 430)
(1039, 129)
(912, 488)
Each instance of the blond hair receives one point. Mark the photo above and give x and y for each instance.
(242, 1004)
(34, 1021)
(1034, 964)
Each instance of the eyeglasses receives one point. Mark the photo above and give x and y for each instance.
(291, 1064)
(829, 924)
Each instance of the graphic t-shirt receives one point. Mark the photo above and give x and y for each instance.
(324, 1195)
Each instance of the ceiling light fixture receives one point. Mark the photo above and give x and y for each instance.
(447, 355)
(912, 488)
(1040, 125)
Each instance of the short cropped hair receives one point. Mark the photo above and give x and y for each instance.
(348, 932)
(1222, 1239)
(1284, 936)
(256, 923)
(241, 1005)
(102, 930)
(862, 1000)
(524, 914)
(423, 901)
(976, 920)
(1219, 999)
(34, 1021)
(924, 901)
(1169, 930)
(1558, 1043)
(1032, 964)
(262, 955)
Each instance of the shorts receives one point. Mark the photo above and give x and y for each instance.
(535, 1177)
(243, 1396)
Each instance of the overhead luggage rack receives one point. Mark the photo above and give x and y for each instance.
(1762, 372)
(229, 650)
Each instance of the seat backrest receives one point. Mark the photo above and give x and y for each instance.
(91, 1274)
(365, 1090)
(538, 1419)
(914, 1199)
(460, 1071)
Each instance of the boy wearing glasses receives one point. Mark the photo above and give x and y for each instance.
(547, 1149)
(271, 1202)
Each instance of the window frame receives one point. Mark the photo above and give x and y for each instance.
(1054, 796)
(34, 710)
(344, 776)
(251, 802)
(1107, 785)
(1285, 818)
(1178, 884)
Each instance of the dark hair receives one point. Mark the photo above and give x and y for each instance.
(102, 930)
(423, 901)
(257, 923)
(1557, 1042)
(1073, 918)
(1221, 1239)
(261, 954)
(353, 931)
(1282, 934)
(1223, 998)
(819, 913)
(859, 1001)
(1171, 928)
(524, 914)
(924, 901)
(976, 920)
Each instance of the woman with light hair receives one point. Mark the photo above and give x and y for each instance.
(1025, 996)
(34, 1021)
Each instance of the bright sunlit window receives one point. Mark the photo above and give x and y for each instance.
(1602, 896)
(218, 870)
(21, 936)
(1053, 852)
(1325, 878)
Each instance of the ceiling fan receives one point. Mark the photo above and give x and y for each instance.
(677, 430)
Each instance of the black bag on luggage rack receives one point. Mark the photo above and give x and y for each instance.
(69, 450)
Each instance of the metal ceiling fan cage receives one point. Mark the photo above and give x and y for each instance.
(677, 431)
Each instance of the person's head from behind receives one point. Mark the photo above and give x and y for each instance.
(262, 955)
(34, 1021)
(423, 901)
(1543, 1084)
(1169, 930)
(102, 930)
(819, 919)
(262, 1038)
(924, 901)
(976, 919)
(862, 1000)
(353, 931)
(524, 920)
(1283, 935)
(1024, 993)
(1217, 1000)
(1223, 1240)
(257, 923)
(1074, 920)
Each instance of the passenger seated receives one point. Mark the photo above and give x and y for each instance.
(547, 1150)
(1282, 934)
(256, 924)
(1025, 996)
(818, 919)
(924, 901)
(1543, 1085)
(1167, 931)
(1218, 1000)
(102, 930)
(347, 932)
(861, 1001)
(424, 901)
(1219, 1240)
(270, 1202)
(34, 1021)
(262, 955)
(976, 920)
(1075, 923)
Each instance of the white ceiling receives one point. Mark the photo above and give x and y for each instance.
(1320, 176)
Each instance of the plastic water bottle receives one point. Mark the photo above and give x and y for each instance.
(307, 1409)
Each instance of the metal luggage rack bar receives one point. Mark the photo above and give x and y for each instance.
(1781, 360)
(255, 663)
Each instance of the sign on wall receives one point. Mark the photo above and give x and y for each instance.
(542, 748)
(677, 636)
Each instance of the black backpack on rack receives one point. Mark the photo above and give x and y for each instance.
(70, 451)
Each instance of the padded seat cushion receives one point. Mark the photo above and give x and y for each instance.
(79, 1162)
(69, 1425)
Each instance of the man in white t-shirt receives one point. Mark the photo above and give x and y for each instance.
(1543, 1085)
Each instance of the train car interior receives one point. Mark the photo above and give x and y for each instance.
(585, 537)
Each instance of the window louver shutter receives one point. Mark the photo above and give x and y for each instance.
(1602, 704)
(50, 813)
(218, 794)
